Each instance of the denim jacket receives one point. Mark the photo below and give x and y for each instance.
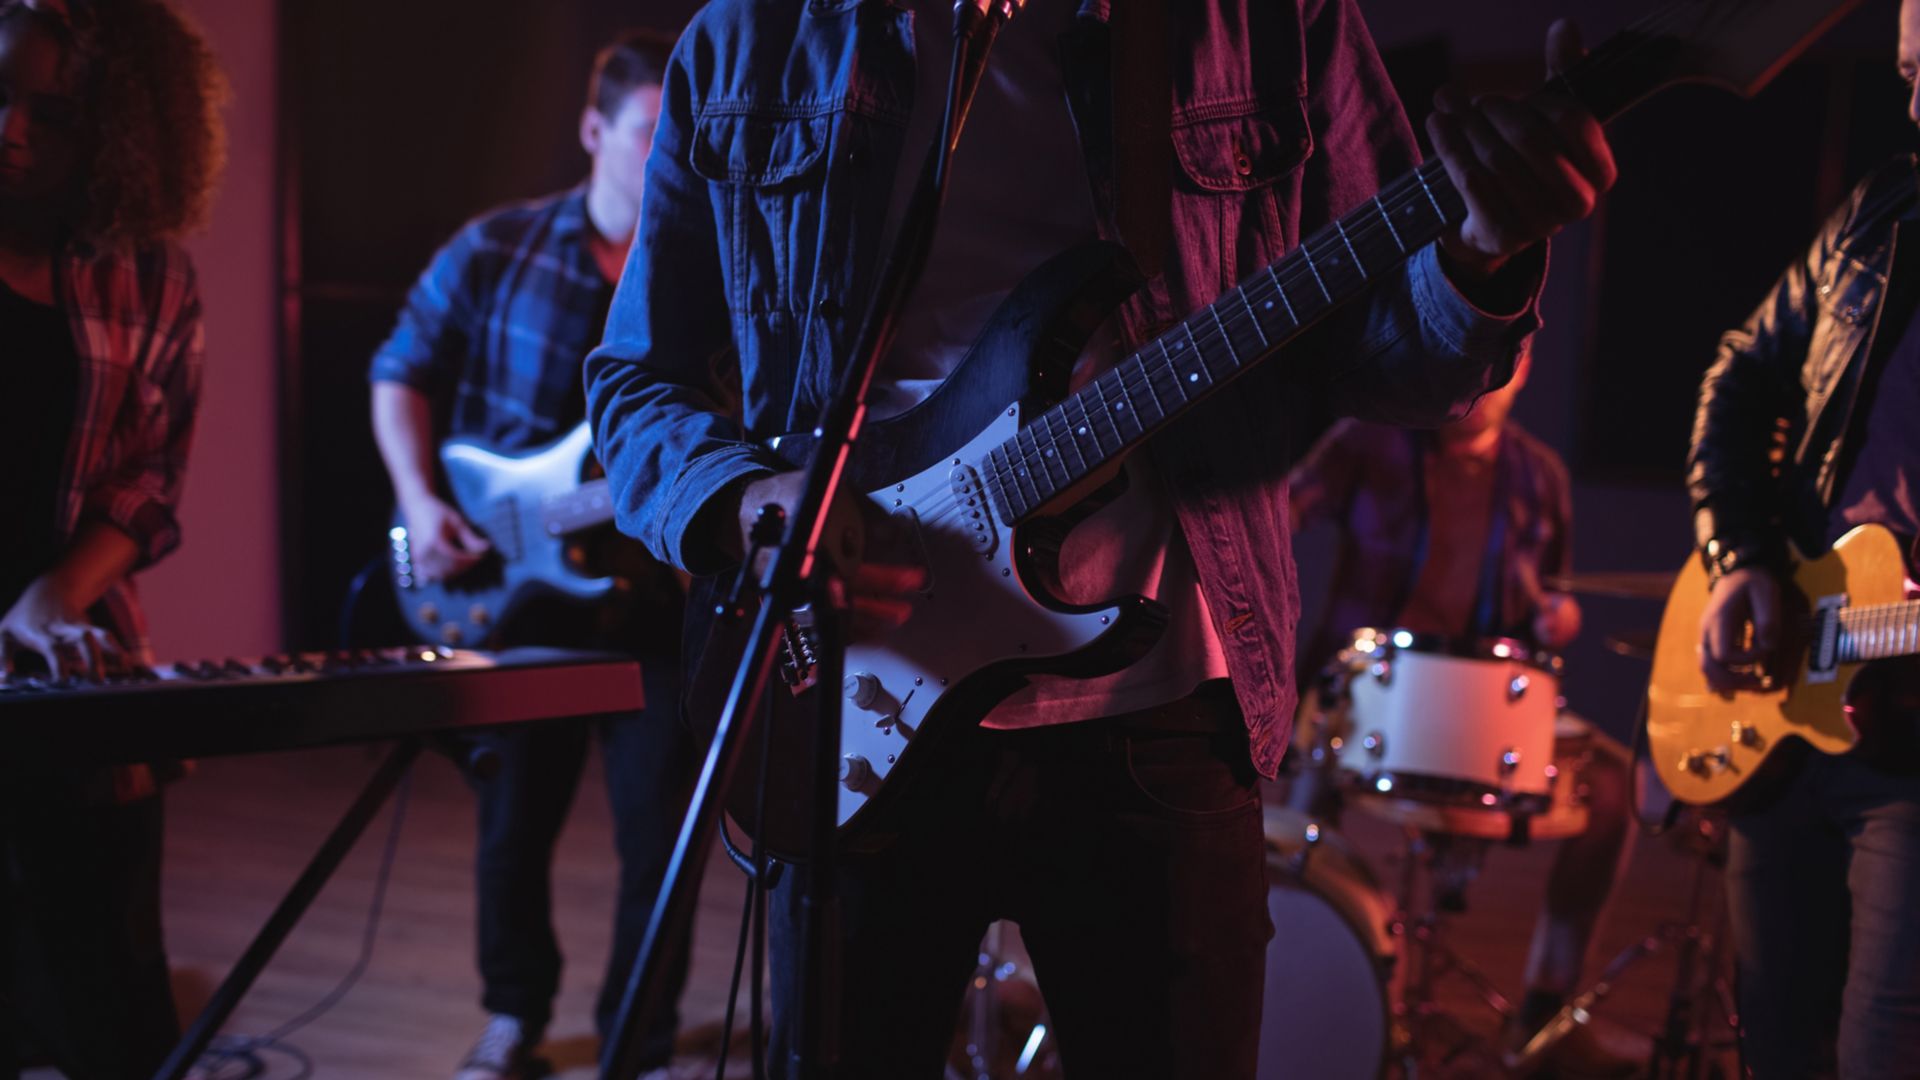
(780, 131)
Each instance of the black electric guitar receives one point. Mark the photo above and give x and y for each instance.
(994, 468)
(530, 507)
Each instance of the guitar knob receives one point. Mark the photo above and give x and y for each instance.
(861, 688)
(1745, 734)
(1694, 761)
(856, 773)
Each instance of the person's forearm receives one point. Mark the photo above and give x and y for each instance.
(403, 429)
(98, 556)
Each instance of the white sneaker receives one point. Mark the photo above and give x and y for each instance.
(504, 1052)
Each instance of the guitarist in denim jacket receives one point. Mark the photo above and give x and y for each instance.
(489, 347)
(1116, 819)
(1805, 430)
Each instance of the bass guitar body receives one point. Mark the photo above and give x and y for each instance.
(511, 499)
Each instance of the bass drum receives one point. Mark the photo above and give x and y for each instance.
(1327, 1013)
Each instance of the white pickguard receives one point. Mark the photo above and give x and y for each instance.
(976, 613)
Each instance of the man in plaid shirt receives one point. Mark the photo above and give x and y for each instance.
(489, 347)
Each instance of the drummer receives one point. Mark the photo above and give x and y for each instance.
(1449, 532)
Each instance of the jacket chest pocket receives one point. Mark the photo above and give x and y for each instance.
(1241, 148)
(770, 171)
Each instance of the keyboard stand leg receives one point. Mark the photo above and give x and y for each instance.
(287, 915)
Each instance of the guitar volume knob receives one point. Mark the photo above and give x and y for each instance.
(861, 688)
(856, 772)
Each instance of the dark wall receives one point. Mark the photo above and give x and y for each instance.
(401, 121)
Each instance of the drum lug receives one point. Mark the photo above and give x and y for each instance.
(1375, 744)
(1510, 759)
(1517, 689)
(1382, 672)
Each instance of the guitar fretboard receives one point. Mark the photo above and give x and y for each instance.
(1878, 631)
(1140, 395)
(584, 507)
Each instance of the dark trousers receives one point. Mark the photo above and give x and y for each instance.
(80, 945)
(1131, 858)
(1824, 891)
(522, 808)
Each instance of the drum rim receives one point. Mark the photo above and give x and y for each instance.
(1384, 967)
(1380, 642)
(1449, 791)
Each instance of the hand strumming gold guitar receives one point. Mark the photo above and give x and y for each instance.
(1850, 608)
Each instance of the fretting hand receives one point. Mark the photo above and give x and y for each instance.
(1526, 169)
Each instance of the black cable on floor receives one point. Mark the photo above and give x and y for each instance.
(248, 1049)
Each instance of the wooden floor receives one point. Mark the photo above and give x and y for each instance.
(239, 831)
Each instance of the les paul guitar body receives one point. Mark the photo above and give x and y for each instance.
(1842, 610)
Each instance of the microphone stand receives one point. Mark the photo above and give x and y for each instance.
(795, 577)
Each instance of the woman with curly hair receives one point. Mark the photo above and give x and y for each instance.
(109, 146)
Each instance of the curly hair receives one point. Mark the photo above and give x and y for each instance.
(152, 142)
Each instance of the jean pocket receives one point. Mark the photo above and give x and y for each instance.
(1190, 776)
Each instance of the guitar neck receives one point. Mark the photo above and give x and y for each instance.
(1146, 391)
(1877, 632)
(583, 507)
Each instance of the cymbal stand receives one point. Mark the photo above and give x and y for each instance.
(1700, 988)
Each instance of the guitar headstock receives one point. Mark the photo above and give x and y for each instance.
(1736, 44)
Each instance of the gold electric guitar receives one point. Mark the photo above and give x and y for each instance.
(1844, 609)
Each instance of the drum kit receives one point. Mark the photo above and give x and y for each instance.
(1457, 744)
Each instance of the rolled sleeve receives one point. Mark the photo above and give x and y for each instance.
(142, 495)
(1426, 352)
(1464, 329)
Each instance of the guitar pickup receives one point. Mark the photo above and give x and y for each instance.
(976, 519)
(1823, 660)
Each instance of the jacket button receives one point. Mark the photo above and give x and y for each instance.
(1244, 164)
(828, 307)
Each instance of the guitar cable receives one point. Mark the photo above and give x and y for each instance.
(247, 1050)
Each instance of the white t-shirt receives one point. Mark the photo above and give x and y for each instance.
(1018, 195)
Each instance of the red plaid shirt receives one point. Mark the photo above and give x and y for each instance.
(136, 328)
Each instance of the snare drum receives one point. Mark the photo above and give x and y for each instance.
(1423, 718)
(1327, 1010)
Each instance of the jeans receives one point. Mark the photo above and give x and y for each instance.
(1132, 860)
(1824, 889)
(81, 956)
(648, 758)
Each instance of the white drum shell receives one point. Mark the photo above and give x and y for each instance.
(1486, 722)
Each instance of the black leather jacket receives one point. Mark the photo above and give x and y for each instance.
(1770, 447)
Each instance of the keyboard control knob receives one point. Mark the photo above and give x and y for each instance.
(856, 773)
(861, 688)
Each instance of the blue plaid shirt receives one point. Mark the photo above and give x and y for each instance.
(496, 328)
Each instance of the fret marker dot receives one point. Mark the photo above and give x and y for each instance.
(1177, 346)
(1049, 451)
(1080, 430)
(1121, 407)
(1268, 305)
(1193, 377)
